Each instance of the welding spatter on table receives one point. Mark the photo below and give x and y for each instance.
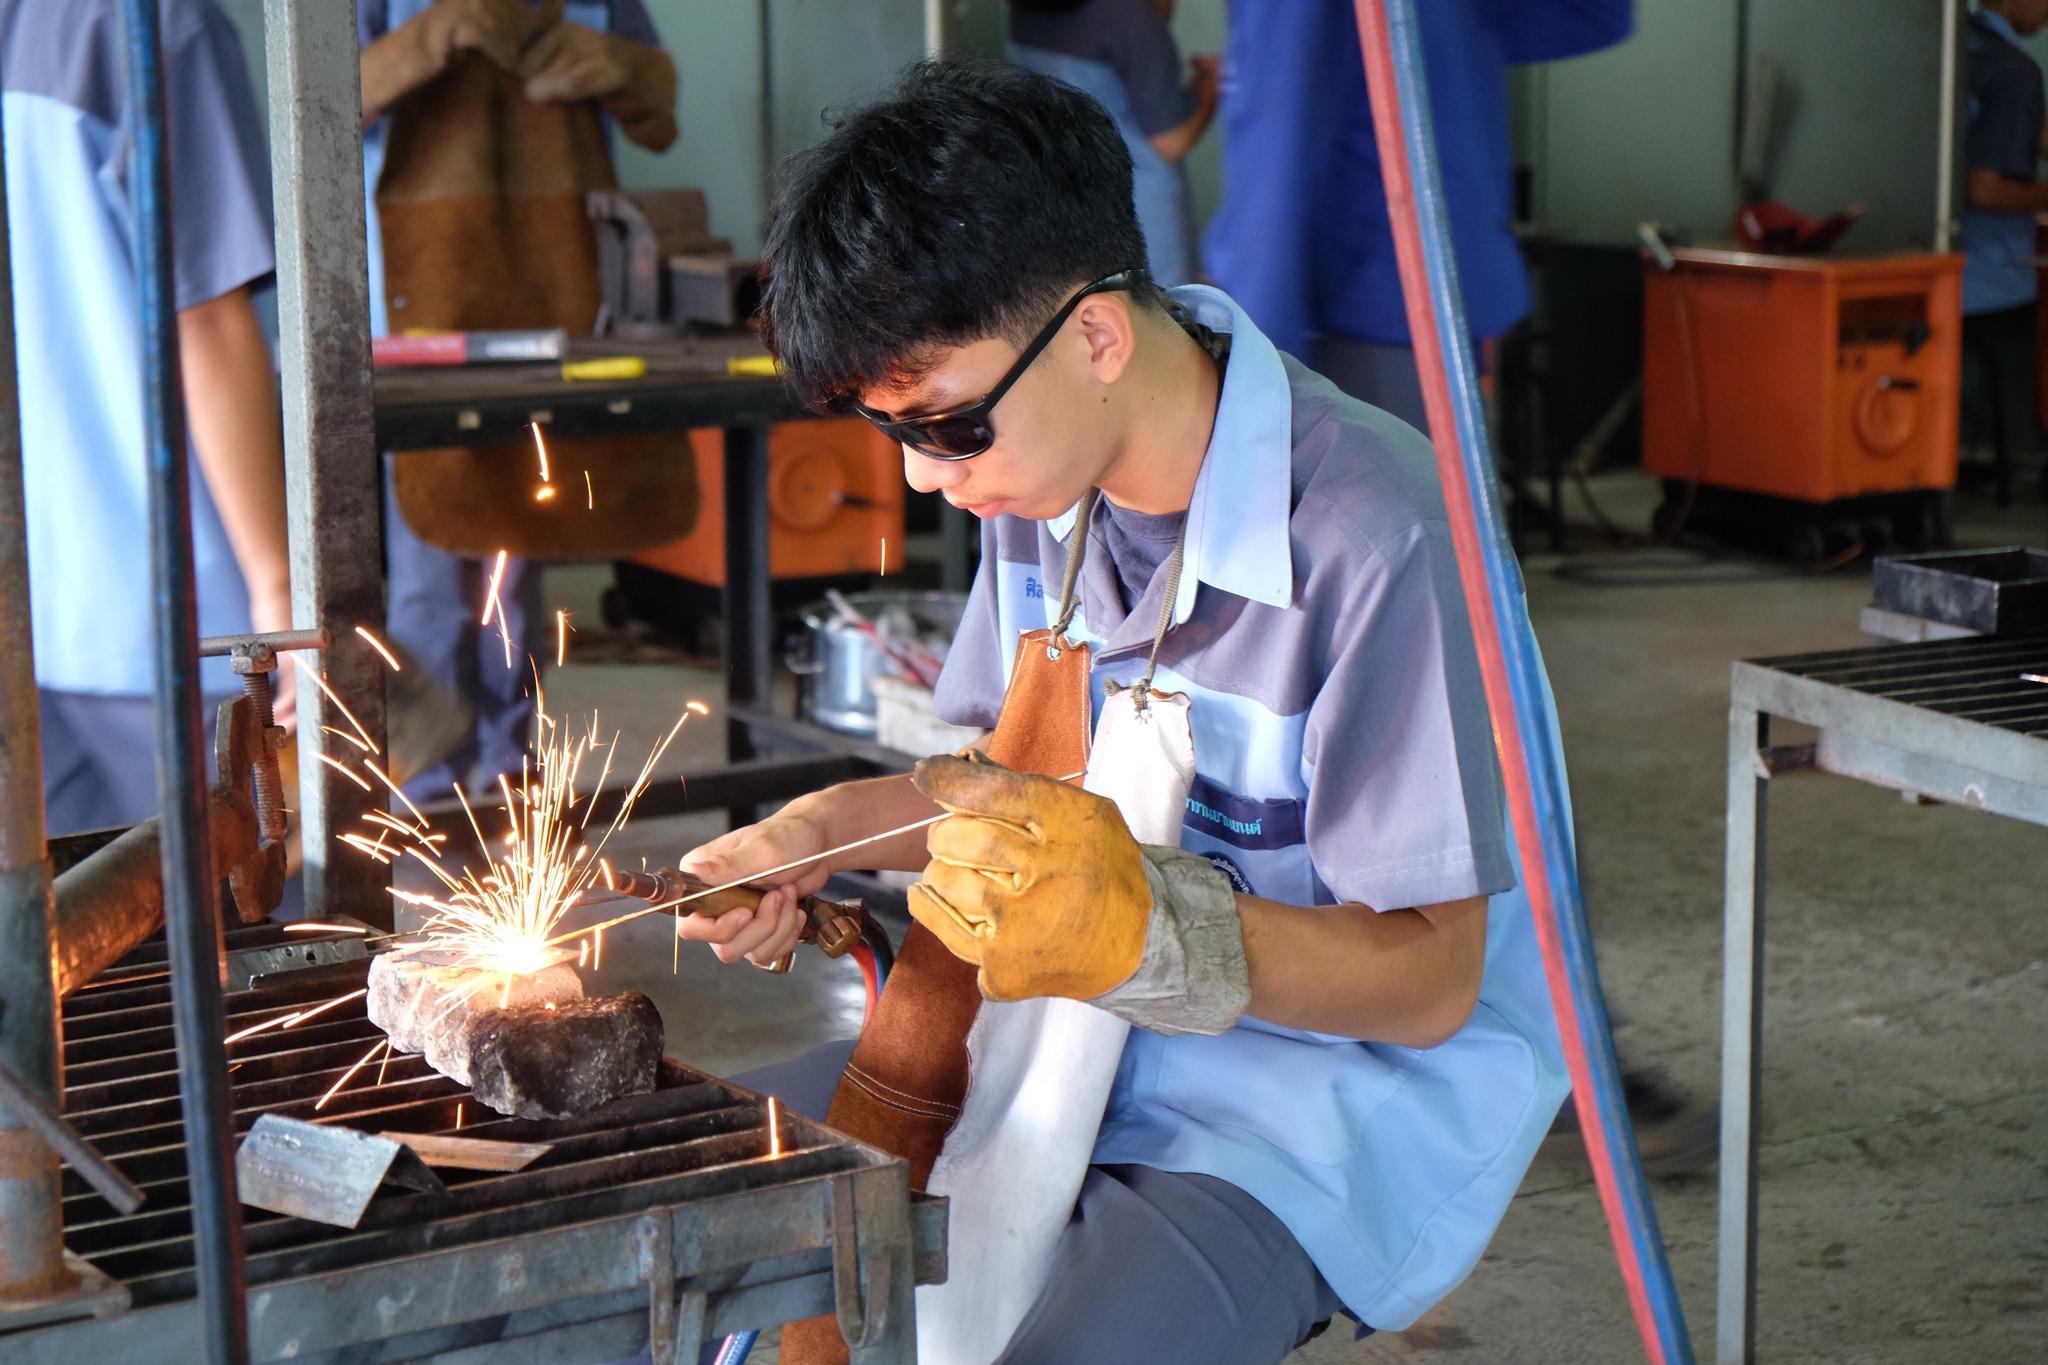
(834, 926)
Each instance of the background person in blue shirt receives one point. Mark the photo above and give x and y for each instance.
(78, 348)
(2002, 196)
(606, 51)
(1122, 52)
(1302, 239)
(1353, 1138)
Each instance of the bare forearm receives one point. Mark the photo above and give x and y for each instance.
(1408, 977)
(231, 402)
(1987, 191)
(397, 64)
(856, 810)
(645, 107)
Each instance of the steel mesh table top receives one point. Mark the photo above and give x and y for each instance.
(1977, 679)
(692, 1138)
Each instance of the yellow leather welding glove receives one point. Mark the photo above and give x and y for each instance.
(1035, 881)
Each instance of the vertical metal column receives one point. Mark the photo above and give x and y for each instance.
(331, 474)
(31, 1221)
(1945, 127)
(191, 893)
(749, 674)
(1517, 695)
(1742, 1034)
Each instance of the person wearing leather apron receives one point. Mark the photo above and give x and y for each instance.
(485, 123)
(1220, 1014)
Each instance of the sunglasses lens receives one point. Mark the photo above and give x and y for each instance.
(951, 438)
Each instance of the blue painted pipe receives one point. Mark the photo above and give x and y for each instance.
(191, 912)
(1394, 66)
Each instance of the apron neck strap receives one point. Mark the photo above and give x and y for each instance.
(1077, 550)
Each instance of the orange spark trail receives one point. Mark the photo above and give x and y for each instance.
(491, 596)
(343, 770)
(589, 493)
(308, 926)
(364, 1061)
(378, 645)
(561, 637)
(343, 734)
(774, 1132)
(542, 447)
(321, 683)
(298, 1019)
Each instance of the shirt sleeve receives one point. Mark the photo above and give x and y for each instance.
(631, 21)
(373, 21)
(220, 181)
(2004, 132)
(970, 690)
(1145, 58)
(1550, 30)
(1404, 794)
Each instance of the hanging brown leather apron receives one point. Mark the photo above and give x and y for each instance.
(484, 227)
(907, 1078)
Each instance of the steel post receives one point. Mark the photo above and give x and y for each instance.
(1742, 1020)
(192, 910)
(31, 1230)
(748, 667)
(331, 469)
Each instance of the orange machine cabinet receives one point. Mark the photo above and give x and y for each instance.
(835, 504)
(1801, 377)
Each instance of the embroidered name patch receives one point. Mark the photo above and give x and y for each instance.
(1242, 820)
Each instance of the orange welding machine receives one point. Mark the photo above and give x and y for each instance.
(1805, 404)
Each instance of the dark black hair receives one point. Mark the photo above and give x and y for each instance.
(964, 203)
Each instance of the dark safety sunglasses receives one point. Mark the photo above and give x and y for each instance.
(963, 433)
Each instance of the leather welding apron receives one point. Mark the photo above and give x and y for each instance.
(482, 204)
(1011, 1149)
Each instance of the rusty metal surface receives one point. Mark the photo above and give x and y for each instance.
(558, 1243)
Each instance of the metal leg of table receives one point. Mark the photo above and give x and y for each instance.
(748, 665)
(1742, 1019)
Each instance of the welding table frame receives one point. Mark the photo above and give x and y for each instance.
(772, 758)
(1950, 754)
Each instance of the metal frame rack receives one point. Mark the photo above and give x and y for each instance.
(1954, 720)
(658, 1219)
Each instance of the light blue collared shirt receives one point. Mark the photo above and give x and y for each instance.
(1344, 754)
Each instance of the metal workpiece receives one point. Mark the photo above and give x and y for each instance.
(662, 1219)
(331, 468)
(1954, 720)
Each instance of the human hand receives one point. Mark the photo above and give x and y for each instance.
(500, 29)
(570, 62)
(1035, 881)
(1207, 70)
(770, 930)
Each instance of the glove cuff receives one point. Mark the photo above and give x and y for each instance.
(1192, 977)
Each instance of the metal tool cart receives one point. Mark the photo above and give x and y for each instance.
(660, 1220)
(1960, 721)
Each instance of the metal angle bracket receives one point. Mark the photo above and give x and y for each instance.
(324, 1174)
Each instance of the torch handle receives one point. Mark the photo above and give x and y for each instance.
(833, 926)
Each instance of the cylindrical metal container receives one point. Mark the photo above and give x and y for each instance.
(845, 660)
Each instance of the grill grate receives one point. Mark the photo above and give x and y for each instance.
(692, 1138)
(1975, 679)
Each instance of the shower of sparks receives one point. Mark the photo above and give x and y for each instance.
(491, 593)
(343, 734)
(538, 860)
(369, 744)
(381, 648)
(361, 1062)
(294, 1017)
(343, 769)
(774, 1132)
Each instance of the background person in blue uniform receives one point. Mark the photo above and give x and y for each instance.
(1301, 238)
(605, 51)
(2002, 196)
(1353, 1138)
(78, 349)
(1122, 52)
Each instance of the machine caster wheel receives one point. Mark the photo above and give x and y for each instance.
(1804, 544)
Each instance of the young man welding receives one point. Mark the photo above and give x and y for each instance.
(1338, 1060)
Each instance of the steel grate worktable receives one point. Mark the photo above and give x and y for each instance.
(1959, 721)
(673, 1216)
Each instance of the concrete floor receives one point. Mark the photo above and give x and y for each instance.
(1905, 1196)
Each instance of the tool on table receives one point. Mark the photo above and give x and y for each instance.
(606, 367)
(835, 927)
(919, 664)
(326, 1174)
(513, 346)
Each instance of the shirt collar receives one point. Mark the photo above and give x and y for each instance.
(2000, 25)
(1237, 538)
